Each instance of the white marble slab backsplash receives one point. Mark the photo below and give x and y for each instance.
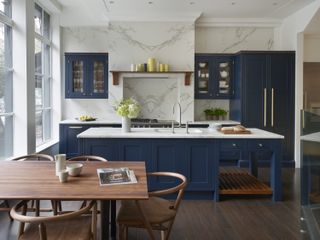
(201, 105)
(233, 39)
(168, 42)
(156, 96)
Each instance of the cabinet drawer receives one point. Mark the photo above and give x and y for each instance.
(232, 145)
(259, 145)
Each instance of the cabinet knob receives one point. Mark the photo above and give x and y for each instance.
(234, 144)
(303, 231)
(260, 145)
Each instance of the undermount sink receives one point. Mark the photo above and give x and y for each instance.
(178, 130)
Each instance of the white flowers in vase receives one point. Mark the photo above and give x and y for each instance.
(128, 108)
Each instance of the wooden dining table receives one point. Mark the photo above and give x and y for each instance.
(37, 180)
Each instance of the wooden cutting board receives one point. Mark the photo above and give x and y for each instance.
(235, 132)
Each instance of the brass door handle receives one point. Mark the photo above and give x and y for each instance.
(265, 107)
(272, 106)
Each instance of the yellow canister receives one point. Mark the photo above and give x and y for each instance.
(161, 67)
(166, 67)
(151, 65)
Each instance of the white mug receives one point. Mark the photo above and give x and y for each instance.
(61, 162)
(63, 176)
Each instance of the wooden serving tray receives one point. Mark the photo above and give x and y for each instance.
(235, 132)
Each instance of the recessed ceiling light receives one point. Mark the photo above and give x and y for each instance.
(191, 3)
(275, 4)
(150, 2)
(111, 2)
(233, 3)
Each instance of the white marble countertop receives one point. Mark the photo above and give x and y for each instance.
(313, 137)
(98, 121)
(103, 132)
(106, 121)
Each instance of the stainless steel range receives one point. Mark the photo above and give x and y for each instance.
(151, 123)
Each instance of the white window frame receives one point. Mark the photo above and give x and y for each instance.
(45, 42)
(7, 20)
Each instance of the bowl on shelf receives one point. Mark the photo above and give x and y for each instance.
(202, 64)
(224, 74)
(225, 64)
(74, 169)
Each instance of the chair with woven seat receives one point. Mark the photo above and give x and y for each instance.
(156, 213)
(79, 224)
(30, 157)
(88, 158)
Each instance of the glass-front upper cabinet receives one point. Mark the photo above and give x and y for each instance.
(213, 78)
(224, 77)
(86, 75)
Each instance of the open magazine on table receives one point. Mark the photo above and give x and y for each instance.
(113, 176)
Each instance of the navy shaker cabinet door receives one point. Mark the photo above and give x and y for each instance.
(86, 75)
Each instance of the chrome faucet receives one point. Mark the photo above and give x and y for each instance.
(179, 112)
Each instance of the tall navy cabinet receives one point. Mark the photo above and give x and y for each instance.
(264, 94)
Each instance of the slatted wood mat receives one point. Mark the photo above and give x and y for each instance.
(238, 182)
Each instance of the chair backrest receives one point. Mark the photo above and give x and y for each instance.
(34, 157)
(178, 189)
(19, 213)
(88, 158)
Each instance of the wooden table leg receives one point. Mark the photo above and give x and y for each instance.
(113, 219)
(104, 219)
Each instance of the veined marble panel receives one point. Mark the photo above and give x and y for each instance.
(233, 39)
(201, 105)
(156, 96)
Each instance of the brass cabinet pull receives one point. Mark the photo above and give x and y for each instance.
(272, 106)
(265, 107)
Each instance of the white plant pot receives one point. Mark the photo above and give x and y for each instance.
(126, 124)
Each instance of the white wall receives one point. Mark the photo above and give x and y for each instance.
(291, 37)
(128, 43)
(312, 48)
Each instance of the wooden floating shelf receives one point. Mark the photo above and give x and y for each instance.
(187, 77)
(234, 182)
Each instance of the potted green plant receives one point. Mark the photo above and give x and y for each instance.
(209, 113)
(215, 113)
(219, 113)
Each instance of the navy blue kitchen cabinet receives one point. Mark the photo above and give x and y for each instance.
(68, 141)
(106, 148)
(135, 150)
(197, 159)
(264, 95)
(192, 158)
(198, 164)
(167, 156)
(86, 75)
(214, 76)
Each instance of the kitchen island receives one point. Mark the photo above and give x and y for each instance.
(195, 154)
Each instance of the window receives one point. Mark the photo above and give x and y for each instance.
(42, 75)
(6, 90)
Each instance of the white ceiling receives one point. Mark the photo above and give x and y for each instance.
(97, 12)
